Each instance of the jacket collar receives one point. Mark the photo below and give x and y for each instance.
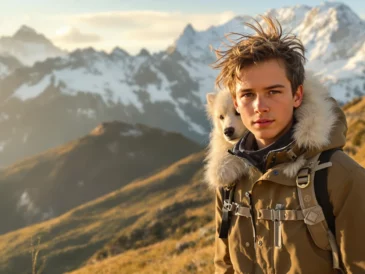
(247, 148)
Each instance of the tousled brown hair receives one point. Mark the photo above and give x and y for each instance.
(265, 44)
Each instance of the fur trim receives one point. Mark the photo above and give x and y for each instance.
(291, 170)
(316, 120)
(315, 116)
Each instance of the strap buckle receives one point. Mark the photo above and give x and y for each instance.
(231, 207)
(303, 180)
(227, 205)
(276, 215)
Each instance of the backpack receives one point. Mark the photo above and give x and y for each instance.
(316, 208)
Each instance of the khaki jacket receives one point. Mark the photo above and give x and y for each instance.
(249, 248)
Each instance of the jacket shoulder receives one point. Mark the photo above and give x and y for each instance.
(344, 176)
(342, 162)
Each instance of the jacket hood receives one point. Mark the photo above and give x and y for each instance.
(320, 125)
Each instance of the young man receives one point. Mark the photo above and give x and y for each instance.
(272, 226)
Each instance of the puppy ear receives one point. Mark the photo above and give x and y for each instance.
(210, 98)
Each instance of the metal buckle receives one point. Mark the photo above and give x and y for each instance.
(237, 206)
(227, 206)
(308, 176)
(276, 215)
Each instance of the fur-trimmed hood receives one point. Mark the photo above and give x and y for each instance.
(320, 125)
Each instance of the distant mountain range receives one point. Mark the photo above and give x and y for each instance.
(61, 98)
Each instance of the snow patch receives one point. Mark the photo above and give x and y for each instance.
(4, 71)
(26, 91)
(131, 154)
(2, 145)
(191, 125)
(3, 116)
(25, 138)
(26, 203)
(131, 132)
(48, 214)
(90, 113)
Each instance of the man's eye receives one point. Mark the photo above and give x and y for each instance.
(247, 95)
(274, 91)
(221, 117)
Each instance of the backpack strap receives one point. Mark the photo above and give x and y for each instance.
(230, 207)
(321, 190)
(227, 197)
(312, 189)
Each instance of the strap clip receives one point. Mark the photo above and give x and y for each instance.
(227, 206)
(304, 177)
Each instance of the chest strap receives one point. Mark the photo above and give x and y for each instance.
(240, 210)
(280, 215)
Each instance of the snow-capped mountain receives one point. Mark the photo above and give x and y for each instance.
(28, 46)
(333, 35)
(63, 98)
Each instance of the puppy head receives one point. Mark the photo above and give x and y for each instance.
(226, 120)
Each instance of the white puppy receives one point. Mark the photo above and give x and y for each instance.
(221, 167)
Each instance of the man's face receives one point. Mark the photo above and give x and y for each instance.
(265, 100)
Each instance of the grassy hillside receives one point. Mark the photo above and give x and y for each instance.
(112, 155)
(168, 205)
(355, 114)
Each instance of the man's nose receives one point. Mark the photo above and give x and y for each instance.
(260, 105)
(229, 131)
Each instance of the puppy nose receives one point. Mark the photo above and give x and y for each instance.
(229, 131)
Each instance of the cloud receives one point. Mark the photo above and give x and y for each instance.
(150, 24)
(75, 36)
(131, 30)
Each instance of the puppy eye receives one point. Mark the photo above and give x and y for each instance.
(236, 112)
(221, 117)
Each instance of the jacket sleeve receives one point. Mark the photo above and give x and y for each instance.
(348, 199)
(222, 261)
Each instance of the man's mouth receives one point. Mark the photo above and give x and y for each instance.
(263, 122)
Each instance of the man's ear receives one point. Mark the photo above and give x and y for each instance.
(210, 98)
(298, 96)
(235, 104)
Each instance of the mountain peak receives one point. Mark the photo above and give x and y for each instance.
(343, 12)
(26, 29)
(117, 51)
(110, 128)
(144, 52)
(189, 30)
(28, 34)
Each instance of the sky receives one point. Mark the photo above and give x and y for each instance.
(130, 25)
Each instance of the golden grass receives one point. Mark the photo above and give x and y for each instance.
(162, 257)
(98, 225)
